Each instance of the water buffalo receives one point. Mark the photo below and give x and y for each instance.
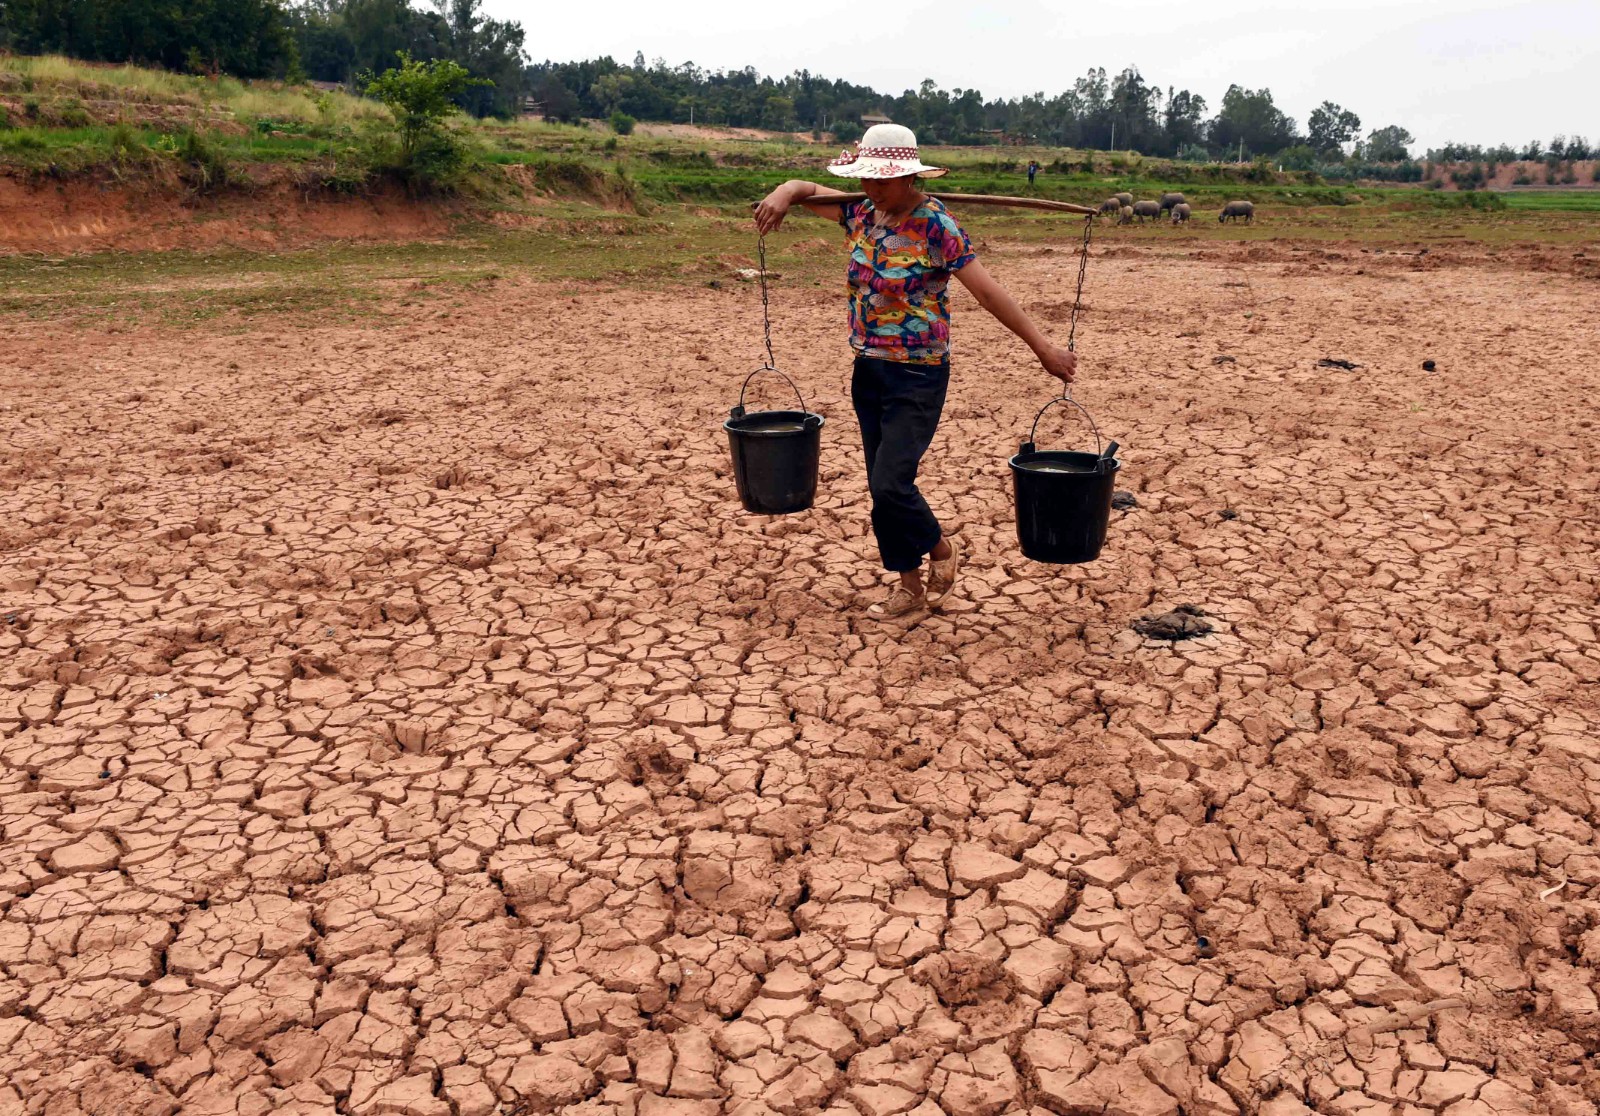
(1126, 216)
(1125, 198)
(1111, 206)
(1180, 213)
(1143, 209)
(1170, 200)
(1236, 210)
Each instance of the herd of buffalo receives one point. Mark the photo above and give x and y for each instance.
(1123, 209)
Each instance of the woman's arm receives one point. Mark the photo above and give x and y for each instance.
(1060, 363)
(773, 208)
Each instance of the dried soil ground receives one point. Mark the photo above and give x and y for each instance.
(407, 721)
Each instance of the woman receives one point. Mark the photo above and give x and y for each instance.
(904, 246)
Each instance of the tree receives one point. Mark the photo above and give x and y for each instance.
(247, 38)
(779, 113)
(421, 97)
(1248, 118)
(559, 103)
(1391, 144)
(1184, 120)
(487, 48)
(1330, 127)
(610, 90)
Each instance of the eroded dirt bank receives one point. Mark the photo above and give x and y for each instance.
(86, 216)
(407, 722)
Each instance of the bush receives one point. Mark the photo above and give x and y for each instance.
(71, 114)
(125, 145)
(203, 166)
(5, 117)
(622, 123)
(1472, 199)
(30, 107)
(1522, 179)
(419, 96)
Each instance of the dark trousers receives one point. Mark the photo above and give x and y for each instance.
(898, 406)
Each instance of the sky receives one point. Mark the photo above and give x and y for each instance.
(1473, 71)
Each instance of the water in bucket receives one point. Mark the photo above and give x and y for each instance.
(775, 455)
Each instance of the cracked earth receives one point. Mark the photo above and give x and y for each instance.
(407, 720)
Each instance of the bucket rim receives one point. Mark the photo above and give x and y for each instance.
(732, 425)
(1020, 459)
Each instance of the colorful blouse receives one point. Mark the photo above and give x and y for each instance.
(899, 279)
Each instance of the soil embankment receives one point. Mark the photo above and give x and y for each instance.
(86, 215)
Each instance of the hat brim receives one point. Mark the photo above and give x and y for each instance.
(886, 168)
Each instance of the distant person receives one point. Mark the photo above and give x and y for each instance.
(904, 246)
(1033, 169)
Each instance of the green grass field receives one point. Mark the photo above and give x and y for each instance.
(1572, 200)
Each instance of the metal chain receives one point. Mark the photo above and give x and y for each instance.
(766, 313)
(1077, 301)
(1083, 267)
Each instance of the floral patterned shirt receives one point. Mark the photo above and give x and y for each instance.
(899, 279)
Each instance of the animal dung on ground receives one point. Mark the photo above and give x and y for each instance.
(1336, 362)
(1428, 366)
(1124, 501)
(1187, 621)
(1224, 358)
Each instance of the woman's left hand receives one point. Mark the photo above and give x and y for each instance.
(1060, 363)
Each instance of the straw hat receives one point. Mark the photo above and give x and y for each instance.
(886, 151)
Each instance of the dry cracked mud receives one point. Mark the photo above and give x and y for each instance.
(407, 720)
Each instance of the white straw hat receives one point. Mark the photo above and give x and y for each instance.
(885, 151)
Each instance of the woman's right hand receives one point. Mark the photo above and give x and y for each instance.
(1060, 363)
(772, 210)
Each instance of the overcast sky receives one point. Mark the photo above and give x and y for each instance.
(1477, 71)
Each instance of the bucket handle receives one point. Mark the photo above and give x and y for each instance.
(1064, 397)
(738, 412)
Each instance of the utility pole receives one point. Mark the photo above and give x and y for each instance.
(1241, 149)
(1113, 135)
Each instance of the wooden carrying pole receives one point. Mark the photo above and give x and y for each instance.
(967, 199)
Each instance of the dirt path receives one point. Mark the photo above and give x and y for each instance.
(405, 721)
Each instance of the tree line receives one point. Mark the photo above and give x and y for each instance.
(342, 40)
(1100, 111)
(323, 40)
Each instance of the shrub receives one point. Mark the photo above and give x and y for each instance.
(622, 123)
(5, 117)
(1522, 179)
(419, 97)
(71, 114)
(1473, 199)
(125, 145)
(30, 107)
(610, 145)
(203, 166)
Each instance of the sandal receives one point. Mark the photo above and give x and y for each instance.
(942, 574)
(900, 602)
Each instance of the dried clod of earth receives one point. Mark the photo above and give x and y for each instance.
(1187, 621)
(1124, 501)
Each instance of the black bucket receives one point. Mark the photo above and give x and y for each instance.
(775, 454)
(1063, 497)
